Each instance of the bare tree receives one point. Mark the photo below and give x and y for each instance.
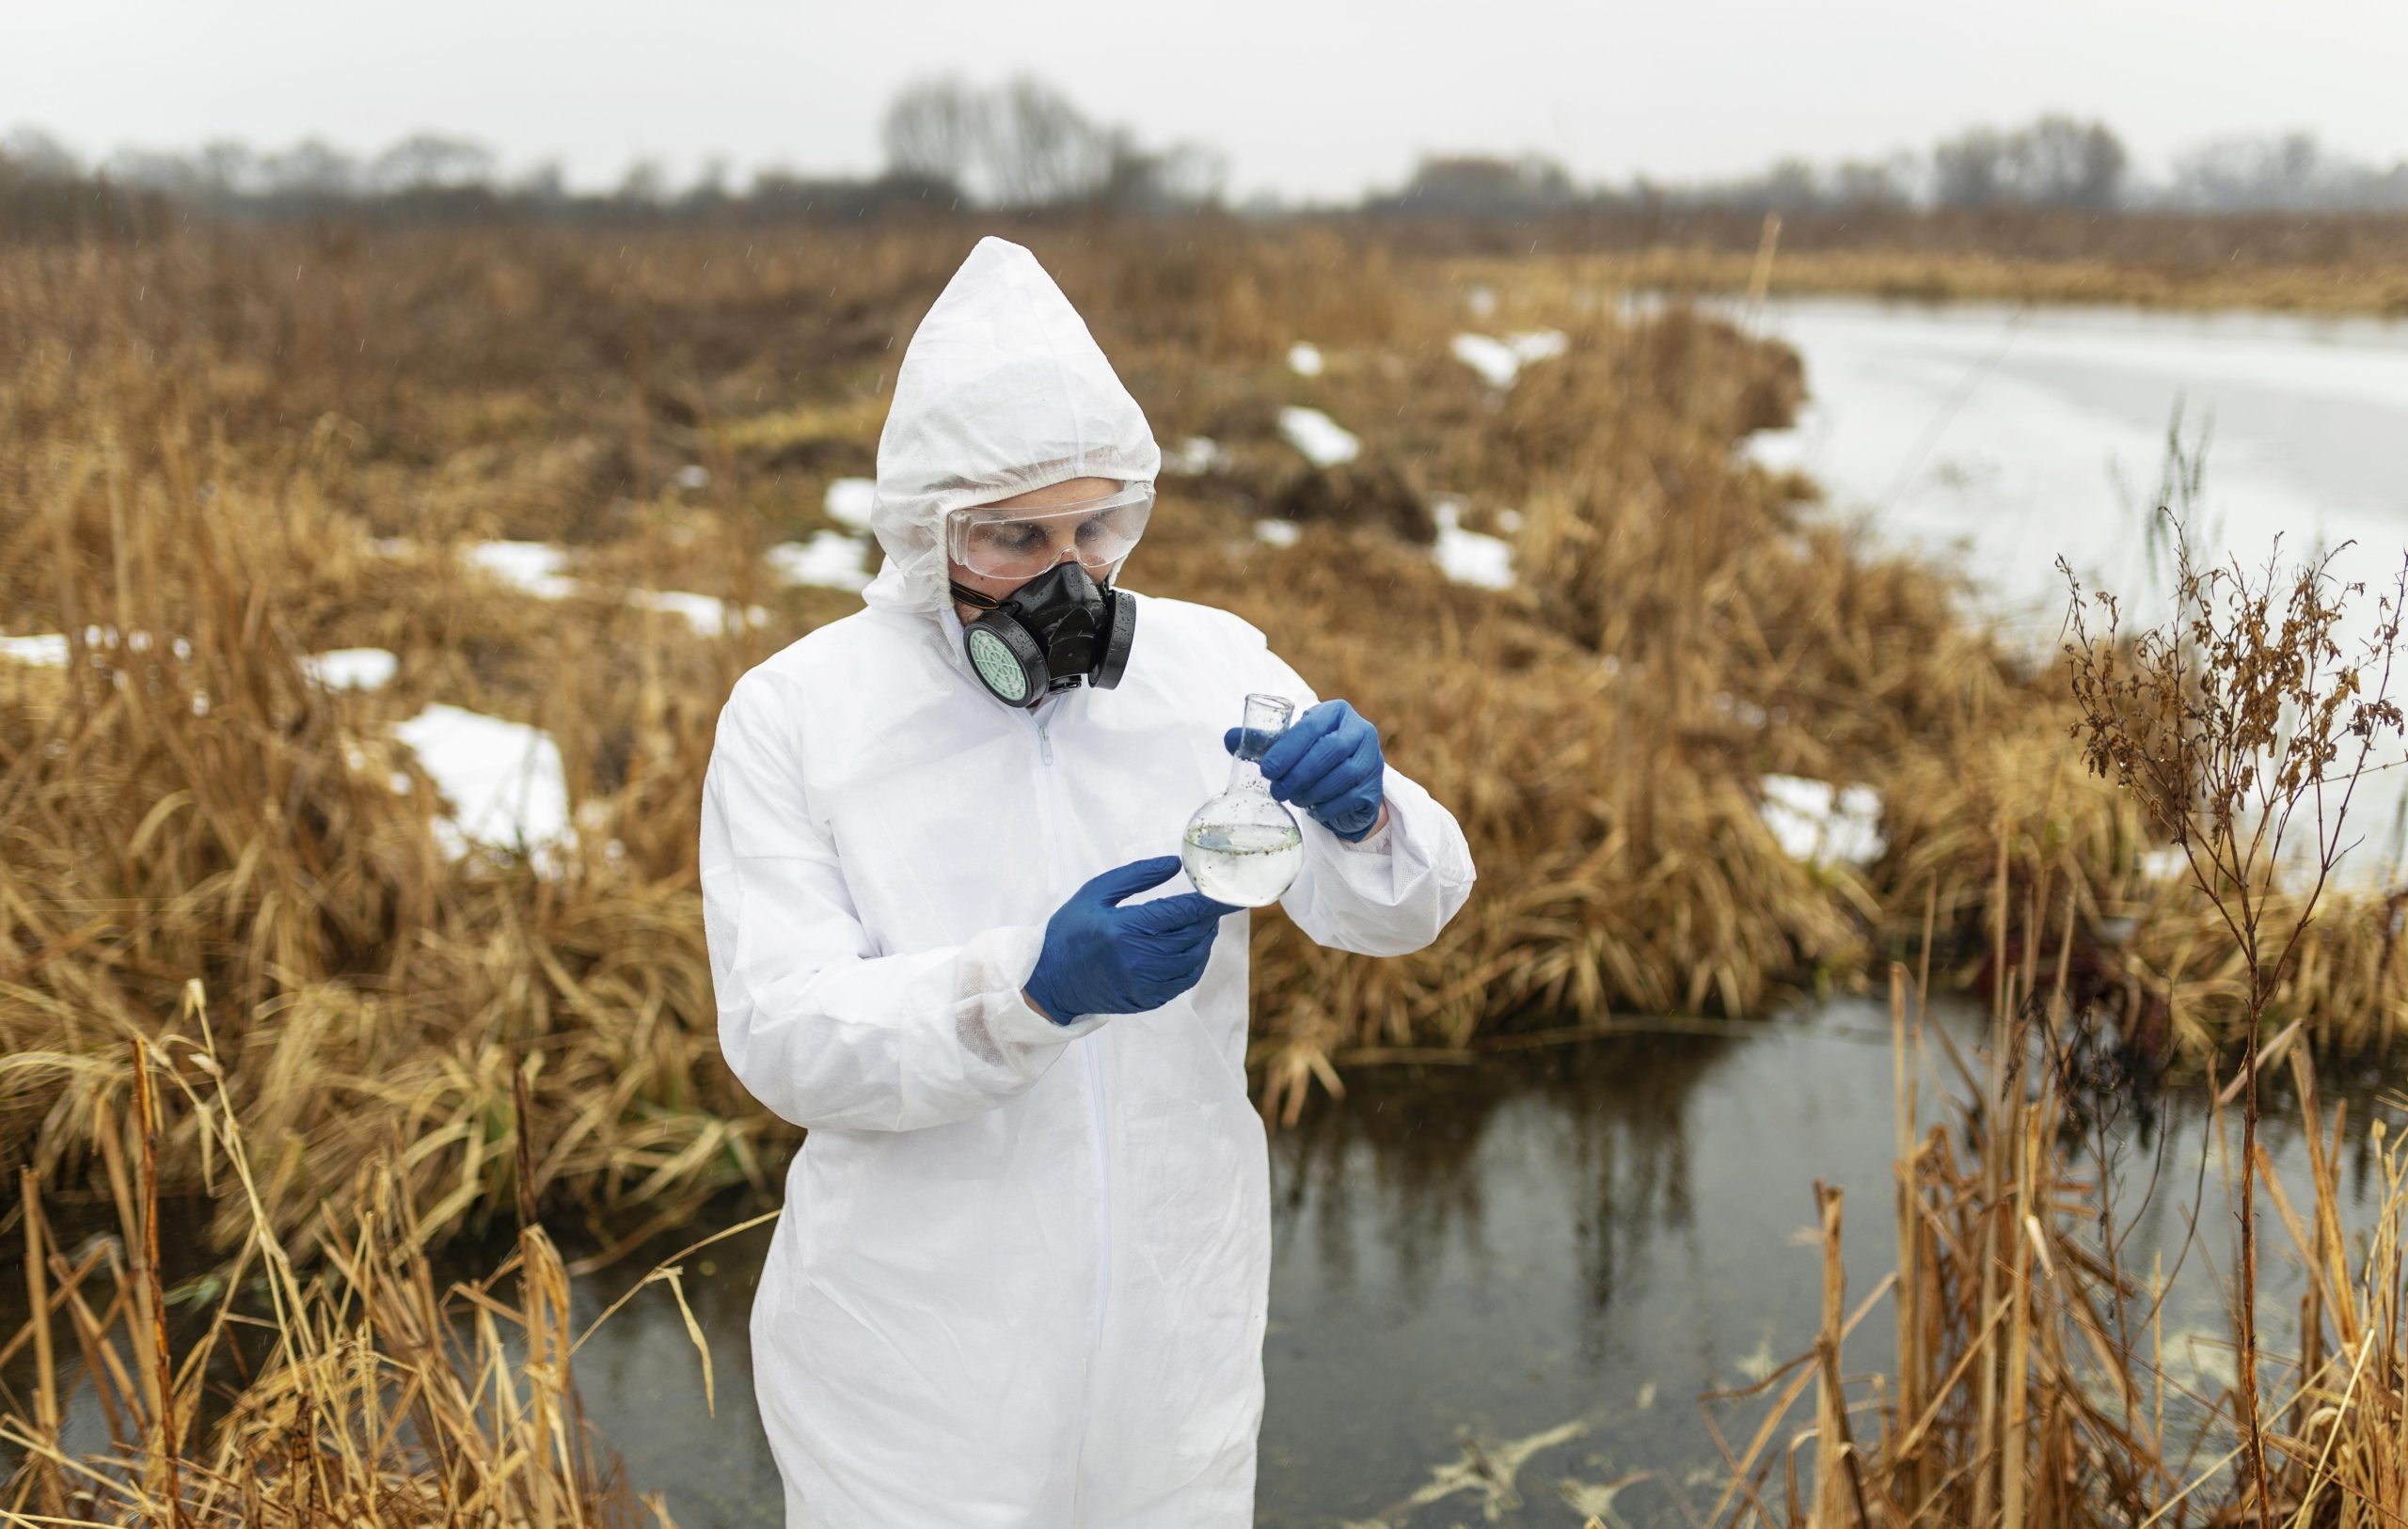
(2064, 163)
(431, 161)
(1969, 170)
(1041, 151)
(934, 128)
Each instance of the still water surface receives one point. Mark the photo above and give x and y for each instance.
(1552, 1256)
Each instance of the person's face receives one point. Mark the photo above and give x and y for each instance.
(1053, 495)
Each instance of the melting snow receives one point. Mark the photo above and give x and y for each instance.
(533, 566)
(504, 781)
(850, 501)
(50, 650)
(46, 650)
(829, 558)
(708, 614)
(1538, 344)
(352, 668)
(1194, 455)
(1820, 825)
(1493, 359)
(1279, 533)
(1303, 359)
(1322, 439)
(1469, 557)
(1499, 361)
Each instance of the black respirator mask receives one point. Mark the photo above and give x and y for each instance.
(1057, 631)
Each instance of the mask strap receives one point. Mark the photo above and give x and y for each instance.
(973, 598)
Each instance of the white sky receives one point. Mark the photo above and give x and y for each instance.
(1305, 97)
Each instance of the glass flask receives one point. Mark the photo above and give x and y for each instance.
(1242, 847)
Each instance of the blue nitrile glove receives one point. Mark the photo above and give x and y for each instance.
(1102, 958)
(1328, 763)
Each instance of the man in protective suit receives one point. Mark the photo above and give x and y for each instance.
(1022, 1274)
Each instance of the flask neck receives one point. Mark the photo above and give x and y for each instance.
(1246, 775)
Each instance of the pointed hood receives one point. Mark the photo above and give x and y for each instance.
(1001, 390)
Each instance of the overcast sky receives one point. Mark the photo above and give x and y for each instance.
(1305, 97)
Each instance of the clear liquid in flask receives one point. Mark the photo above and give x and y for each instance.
(1243, 864)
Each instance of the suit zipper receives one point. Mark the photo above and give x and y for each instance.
(1092, 1055)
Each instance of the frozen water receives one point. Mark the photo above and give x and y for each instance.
(352, 668)
(2001, 438)
(851, 500)
(1303, 359)
(829, 558)
(1322, 439)
(2005, 438)
(502, 780)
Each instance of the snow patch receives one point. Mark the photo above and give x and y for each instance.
(1819, 823)
(1195, 455)
(1322, 440)
(1500, 361)
(1493, 359)
(502, 780)
(830, 559)
(851, 500)
(352, 668)
(1303, 359)
(1538, 344)
(43, 650)
(693, 474)
(1482, 300)
(708, 614)
(534, 567)
(1469, 557)
(1279, 533)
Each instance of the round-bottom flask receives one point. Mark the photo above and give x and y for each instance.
(1242, 847)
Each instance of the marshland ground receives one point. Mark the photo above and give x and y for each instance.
(1717, 749)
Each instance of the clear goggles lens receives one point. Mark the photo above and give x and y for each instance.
(1003, 542)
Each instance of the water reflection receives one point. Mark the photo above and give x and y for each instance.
(1522, 1272)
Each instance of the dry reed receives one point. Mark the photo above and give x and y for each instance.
(207, 437)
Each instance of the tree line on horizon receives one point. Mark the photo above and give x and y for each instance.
(1023, 145)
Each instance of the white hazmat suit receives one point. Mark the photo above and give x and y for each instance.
(1022, 1274)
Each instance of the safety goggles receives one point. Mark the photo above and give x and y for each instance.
(1005, 543)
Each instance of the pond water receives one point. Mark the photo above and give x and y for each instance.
(1552, 1256)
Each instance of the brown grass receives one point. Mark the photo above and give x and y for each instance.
(360, 1395)
(205, 437)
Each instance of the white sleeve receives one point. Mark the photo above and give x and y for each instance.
(1391, 892)
(814, 1027)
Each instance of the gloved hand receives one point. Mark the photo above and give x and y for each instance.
(1328, 763)
(1102, 958)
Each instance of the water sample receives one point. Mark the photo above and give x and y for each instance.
(1242, 847)
(1245, 864)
